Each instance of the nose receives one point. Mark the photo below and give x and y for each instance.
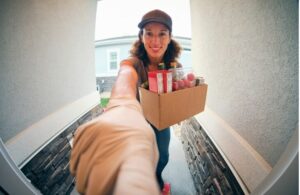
(156, 39)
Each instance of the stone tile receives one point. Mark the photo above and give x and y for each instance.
(210, 173)
(48, 170)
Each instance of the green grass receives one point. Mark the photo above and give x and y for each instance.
(104, 102)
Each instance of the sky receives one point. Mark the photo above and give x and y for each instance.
(121, 17)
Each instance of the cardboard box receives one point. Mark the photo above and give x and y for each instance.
(167, 109)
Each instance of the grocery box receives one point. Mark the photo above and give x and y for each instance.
(166, 109)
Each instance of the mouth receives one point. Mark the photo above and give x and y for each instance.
(155, 49)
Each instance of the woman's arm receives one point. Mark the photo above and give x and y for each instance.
(114, 145)
(125, 85)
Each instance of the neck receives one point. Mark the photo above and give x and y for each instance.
(155, 62)
(152, 67)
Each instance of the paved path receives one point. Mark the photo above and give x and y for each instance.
(177, 171)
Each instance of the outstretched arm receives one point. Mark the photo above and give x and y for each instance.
(108, 151)
(125, 85)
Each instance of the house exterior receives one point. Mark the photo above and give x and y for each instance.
(109, 53)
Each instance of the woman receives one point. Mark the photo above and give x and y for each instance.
(155, 45)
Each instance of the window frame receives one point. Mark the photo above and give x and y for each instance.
(109, 60)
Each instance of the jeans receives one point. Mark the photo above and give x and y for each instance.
(163, 140)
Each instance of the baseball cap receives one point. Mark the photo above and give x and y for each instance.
(156, 16)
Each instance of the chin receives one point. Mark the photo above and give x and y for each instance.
(156, 55)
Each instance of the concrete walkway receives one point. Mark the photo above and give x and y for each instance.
(177, 172)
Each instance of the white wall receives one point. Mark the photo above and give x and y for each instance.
(248, 53)
(47, 69)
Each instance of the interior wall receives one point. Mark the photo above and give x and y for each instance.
(46, 59)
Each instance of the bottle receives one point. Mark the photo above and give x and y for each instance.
(161, 66)
(173, 64)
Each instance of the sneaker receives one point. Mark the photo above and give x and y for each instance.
(167, 189)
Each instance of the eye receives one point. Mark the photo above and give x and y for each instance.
(149, 34)
(163, 34)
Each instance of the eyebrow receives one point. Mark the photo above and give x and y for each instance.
(166, 30)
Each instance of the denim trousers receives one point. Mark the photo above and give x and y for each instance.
(163, 140)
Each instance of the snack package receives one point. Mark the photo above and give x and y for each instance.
(167, 80)
(155, 79)
(160, 81)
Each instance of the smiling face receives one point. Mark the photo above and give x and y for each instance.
(156, 38)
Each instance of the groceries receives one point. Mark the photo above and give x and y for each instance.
(173, 79)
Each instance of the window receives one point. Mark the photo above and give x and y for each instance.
(113, 60)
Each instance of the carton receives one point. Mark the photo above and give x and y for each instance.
(166, 109)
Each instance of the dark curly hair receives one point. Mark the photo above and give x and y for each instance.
(172, 53)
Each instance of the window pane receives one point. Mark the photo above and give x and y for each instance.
(113, 65)
(113, 56)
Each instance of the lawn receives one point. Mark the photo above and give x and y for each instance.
(104, 102)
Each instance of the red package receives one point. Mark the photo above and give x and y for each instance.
(155, 79)
(160, 81)
(167, 80)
